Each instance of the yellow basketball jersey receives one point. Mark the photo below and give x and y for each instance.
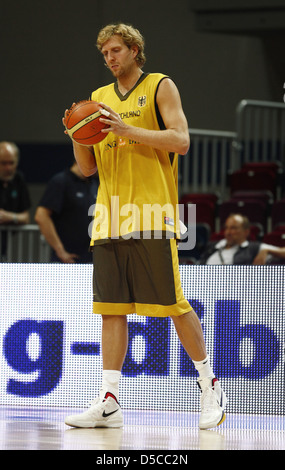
(138, 194)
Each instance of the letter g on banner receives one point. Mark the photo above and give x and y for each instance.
(48, 364)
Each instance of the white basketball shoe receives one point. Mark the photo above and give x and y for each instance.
(213, 402)
(103, 413)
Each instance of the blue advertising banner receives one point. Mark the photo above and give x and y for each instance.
(51, 353)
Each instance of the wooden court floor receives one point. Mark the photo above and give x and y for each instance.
(44, 429)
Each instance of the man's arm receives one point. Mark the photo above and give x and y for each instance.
(19, 218)
(175, 138)
(85, 158)
(83, 155)
(47, 228)
(261, 257)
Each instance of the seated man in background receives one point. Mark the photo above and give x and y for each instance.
(235, 248)
(62, 215)
(14, 195)
(15, 200)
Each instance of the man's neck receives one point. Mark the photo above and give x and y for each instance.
(231, 245)
(127, 82)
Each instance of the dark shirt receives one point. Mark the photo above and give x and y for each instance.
(69, 198)
(14, 195)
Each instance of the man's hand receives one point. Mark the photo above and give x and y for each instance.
(117, 125)
(65, 257)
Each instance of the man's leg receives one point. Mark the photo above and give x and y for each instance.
(190, 333)
(114, 350)
(213, 399)
(105, 411)
(114, 341)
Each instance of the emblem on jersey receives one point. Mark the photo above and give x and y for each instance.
(142, 101)
(168, 221)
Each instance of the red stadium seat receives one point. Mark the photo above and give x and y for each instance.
(278, 213)
(243, 195)
(254, 210)
(275, 238)
(241, 180)
(279, 228)
(206, 207)
(263, 166)
(256, 232)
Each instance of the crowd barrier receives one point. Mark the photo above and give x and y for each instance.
(205, 167)
(260, 132)
(259, 137)
(51, 353)
(23, 244)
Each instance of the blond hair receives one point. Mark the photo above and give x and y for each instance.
(130, 36)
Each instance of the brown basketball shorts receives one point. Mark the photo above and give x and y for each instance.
(138, 276)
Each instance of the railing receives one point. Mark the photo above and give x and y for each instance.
(259, 137)
(260, 133)
(23, 244)
(206, 166)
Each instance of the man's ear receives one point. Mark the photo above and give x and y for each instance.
(135, 50)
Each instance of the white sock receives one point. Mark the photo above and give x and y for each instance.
(204, 368)
(110, 382)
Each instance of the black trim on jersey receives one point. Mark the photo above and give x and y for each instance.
(158, 115)
(125, 97)
(160, 120)
(171, 157)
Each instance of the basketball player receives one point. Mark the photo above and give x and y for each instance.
(136, 266)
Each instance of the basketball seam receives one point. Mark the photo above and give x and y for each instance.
(82, 123)
(89, 137)
(75, 107)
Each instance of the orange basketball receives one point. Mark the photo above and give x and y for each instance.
(82, 123)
